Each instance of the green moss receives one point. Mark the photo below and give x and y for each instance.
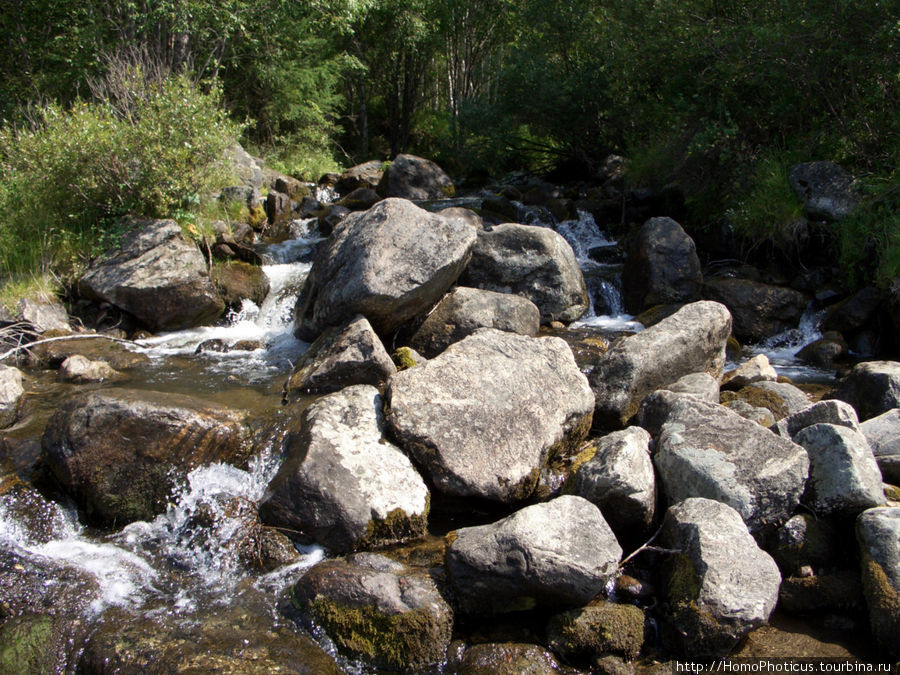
(760, 398)
(598, 629)
(892, 492)
(403, 358)
(448, 190)
(27, 645)
(570, 443)
(397, 527)
(681, 580)
(256, 217)
(391, 641)
(883, 601)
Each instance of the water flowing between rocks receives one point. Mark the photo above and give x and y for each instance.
(185, 564)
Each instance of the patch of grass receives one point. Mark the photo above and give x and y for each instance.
(43, 288)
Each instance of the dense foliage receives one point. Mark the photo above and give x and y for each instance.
(719, 98)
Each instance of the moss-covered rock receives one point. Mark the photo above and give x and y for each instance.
(758, 398)
(237, 281)
(376, 609)
(32, 643)
(597, 629)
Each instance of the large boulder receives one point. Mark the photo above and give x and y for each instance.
(343, 484)
(883, 434)
(43, 315)
(662, 267)
(878, 532)
(721, 585)
(531, 261)
(619, 478)
(340, 357)
(872, 388)
(411, 177)
(825, 189)
(238, 281)
(854, 312)
(484, 416)
(11, 392)
(389, 264)
(464, 310)
(555, 554)
(119, 452)
(690, 341)
(706, 450)
(822, 412)
(843, 476)
(759, 310)
(156, 276)
(378, 610)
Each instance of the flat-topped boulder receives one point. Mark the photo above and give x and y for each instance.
(119, 452)
(484, 416)
(343, 484)
(705, 450)
(389, 264)
(692, 340)
(555, 554)
(156, 276)
(531, 261)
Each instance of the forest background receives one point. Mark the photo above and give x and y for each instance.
(122, 107)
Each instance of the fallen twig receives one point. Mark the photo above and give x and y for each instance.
(646, 546)
(29, 345)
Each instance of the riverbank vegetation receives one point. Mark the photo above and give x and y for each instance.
(718, 98)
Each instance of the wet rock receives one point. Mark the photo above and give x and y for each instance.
(662, 266)
(340, 357)
(238, 281)
(690, 341)
(825, 189)
(117, 355)
(722, 585)
(37, 519)
(872, 388)
(343, 484)
(705, 450)
(878, 532)
(11, 392)
(805, 541)
(412, 177)
(212, 346)
(365, 175)
(35, 643)
(464, 310)
(43, 316)
(822, 412)
(598, 629)
(389, 264)
(118, 452)
(156, 276)
(757, 369)
(843, 476)
(883, 434)
(558, 553)
(825, 351)
(504, 658)
(381, 611)
(292, 187)
(81, 370)
(759, 310)
(483, 417)
(620, 480)
(531, 261)
(702, 385)
(834, 591)
(229, 641)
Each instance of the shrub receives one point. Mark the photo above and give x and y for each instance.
(68, 179)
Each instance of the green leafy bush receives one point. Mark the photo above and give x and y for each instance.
(869, 239)
(67, 180)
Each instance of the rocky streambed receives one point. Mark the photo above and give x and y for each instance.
(438, 444)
